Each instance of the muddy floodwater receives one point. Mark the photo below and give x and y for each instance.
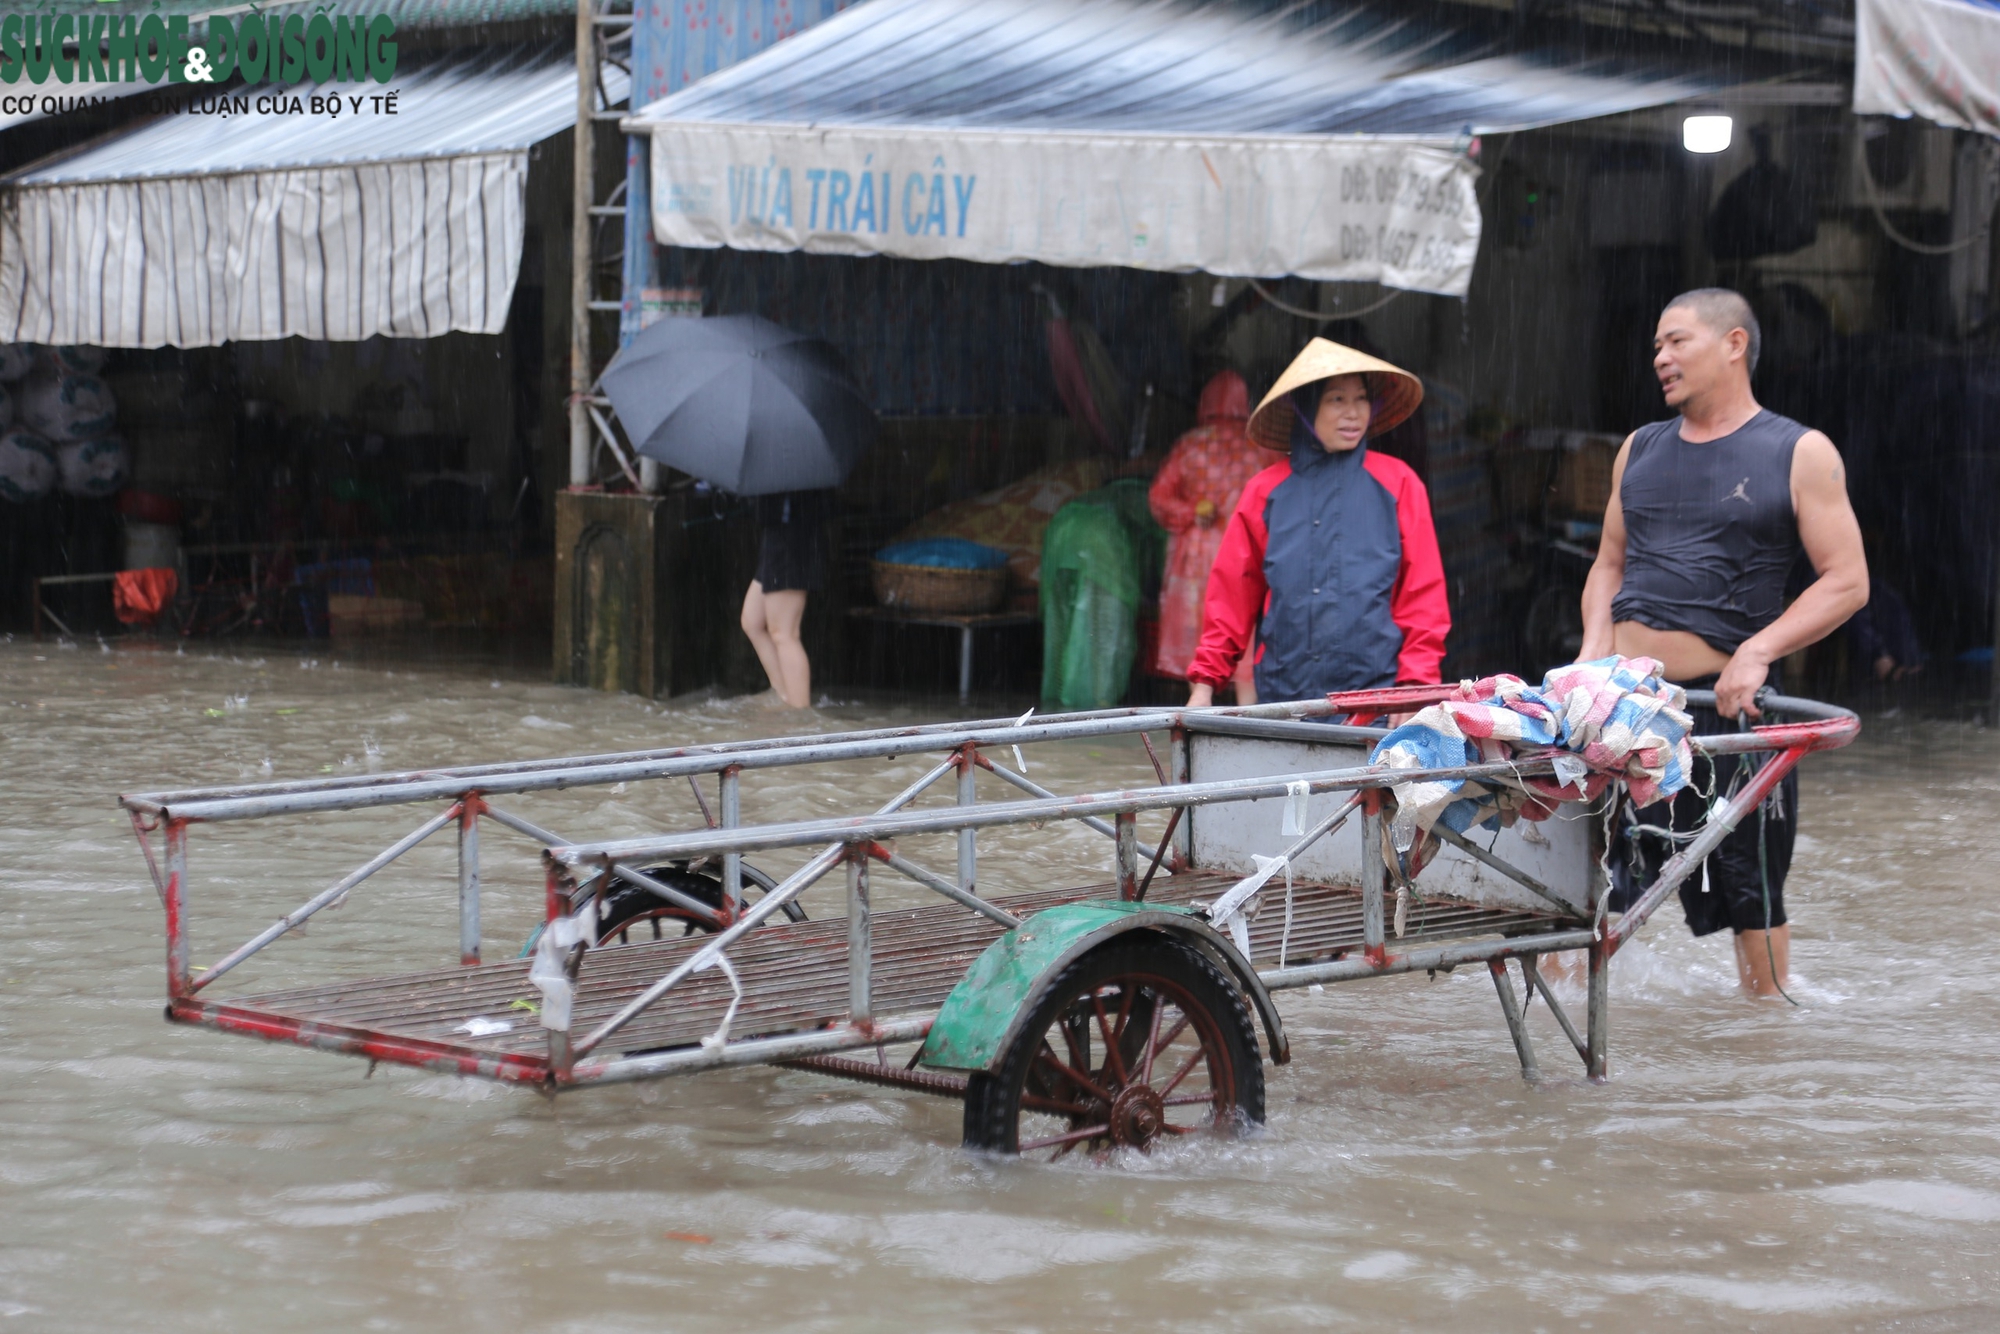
(1749, 1166)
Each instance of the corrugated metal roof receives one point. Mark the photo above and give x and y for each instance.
(1158, 66)
(482, 105)
(675, 42)
(409, 14)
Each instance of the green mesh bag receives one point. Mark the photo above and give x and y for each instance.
(1101, 561)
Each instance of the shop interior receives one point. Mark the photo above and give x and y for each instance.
(401, 491)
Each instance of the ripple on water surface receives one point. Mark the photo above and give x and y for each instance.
(1749, 1166)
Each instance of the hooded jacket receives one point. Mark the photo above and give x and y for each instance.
(1211, 463)
(1332, 561)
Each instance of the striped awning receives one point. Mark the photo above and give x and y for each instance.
(202, 228)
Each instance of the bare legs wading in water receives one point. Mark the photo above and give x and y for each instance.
(772, 622)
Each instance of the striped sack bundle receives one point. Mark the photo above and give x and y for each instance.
(1615, 718)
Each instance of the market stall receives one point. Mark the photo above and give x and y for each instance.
(1197, 143)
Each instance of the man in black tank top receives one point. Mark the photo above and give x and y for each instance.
(1708, 511)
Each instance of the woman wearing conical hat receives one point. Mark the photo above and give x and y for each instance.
(1330, 560)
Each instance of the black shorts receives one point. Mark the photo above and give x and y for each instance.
(788, 558)
(1742, 885)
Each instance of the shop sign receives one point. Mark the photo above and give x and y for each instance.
(115, 48)
(1395, 211)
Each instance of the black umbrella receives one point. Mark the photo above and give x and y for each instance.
(742, 403)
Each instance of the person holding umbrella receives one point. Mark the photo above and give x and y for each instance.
(757, 410)
(790, 564)
(1331, 559)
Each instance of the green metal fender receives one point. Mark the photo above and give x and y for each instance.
(992, 1000)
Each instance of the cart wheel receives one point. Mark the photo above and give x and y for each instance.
(628, 907)
(1130, 1043)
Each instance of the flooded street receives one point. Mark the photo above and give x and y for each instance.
(1749, 1166)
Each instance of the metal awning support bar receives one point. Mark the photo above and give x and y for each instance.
(520, 826)
(625, 873)
(1504, 867)
(1280, 720)
(146, 846)
(322, 899)
(732, 816)
(1719, 826)
(792, 886)
(1034, 789)
(216, 804)
(933, 881)
(1126, 855)
(887, 825)
(685, 902)
(1414, 961)
(795, 884)
(860, 938)
(1374, 885)
(756, 1051)
(1243, 889)
(472, 772)
(1531, 970)
(968, 839)
(1517, 1025)
(468, 881)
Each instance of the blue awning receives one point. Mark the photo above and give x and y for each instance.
(1236, 68)
(1236, 137)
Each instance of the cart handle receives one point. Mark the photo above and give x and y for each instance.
(1820, 726)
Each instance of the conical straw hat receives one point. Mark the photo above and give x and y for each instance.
(1395, 391)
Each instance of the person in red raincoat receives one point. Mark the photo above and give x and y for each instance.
(1193, 496)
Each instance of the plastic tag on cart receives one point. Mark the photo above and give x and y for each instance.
(1295, 808)
(1227, 906)
(549, 974)
(552, 980)
(1239, 931)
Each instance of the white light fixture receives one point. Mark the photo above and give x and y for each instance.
(1705, 134)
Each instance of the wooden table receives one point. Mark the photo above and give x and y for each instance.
(965, 625)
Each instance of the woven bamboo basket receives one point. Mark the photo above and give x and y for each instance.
(939, 591)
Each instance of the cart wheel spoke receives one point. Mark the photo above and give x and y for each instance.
(1194, 1057)
(1114, 1063)
(1188, 1100)
(1152, 1046)
(1055, 1106)
(1077, 1038)
(1083, 1082)
(1088, 1132)
(1173, 1033)
(1131, 994)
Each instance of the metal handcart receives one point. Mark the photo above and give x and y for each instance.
(1088, 1016)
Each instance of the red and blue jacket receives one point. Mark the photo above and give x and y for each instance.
(1332, 562)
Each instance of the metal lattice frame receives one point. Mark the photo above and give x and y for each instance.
(576, 872)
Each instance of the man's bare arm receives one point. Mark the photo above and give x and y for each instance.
(1832, 539)
(1607, 573)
